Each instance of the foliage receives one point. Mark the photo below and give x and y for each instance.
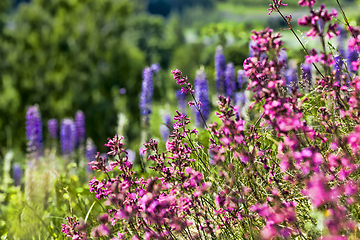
(65, 48)
(278, 163)
(292, 172)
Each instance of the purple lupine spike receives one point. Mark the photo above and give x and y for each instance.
(282, 58)
(53, 128)
(352, 57)
(220, 67)
(241, 80)
(341, 40)
(131, 155)
(80, 126)
(34, 130)
(306, 74)
(321, 26)
(67, 136)
(230, 82)
(240, 99)
(338, 68)
(202, 95)
(164, 128)
(155, 67)
(17, 174)
(291, 76)
(122, 91)
(182, 104)
(147, 90)
(252, 44)
(90, 150)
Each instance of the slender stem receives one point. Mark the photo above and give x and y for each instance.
(345, 18)
(302, 45)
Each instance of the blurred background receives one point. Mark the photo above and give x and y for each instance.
(70, 55)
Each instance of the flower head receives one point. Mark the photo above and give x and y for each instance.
(80, 126)
(67, 136)
(306, 74)
(202, 95)
(181, 97)
(230, 82)
(241, 80)
(90, 150)
(147, 91)
(34, 130)
(220, 67)
(17, 174)
(53, 128)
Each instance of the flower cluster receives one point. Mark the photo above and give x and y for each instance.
(291, 168)
(220, 67)
(147, 91)
(317, 21)
(80, 126)
(34, 130)
(67, 136)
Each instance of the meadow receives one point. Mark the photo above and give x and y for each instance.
(230, 134)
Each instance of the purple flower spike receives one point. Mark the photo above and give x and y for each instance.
(352, 57)
(90, 150)
(131, 156)
(306, 74)
(230, 82)
(338, 68)
(80, 126)
(155, 67)
(182, 104)
(202, 95)
(341, 40)
(17, 174)
(240, 99)
(122, 91)
(147, 90)
(291, 76)
(220, 67)
(53, 128)
(34, 130)
(282, 58)
(241, 80)
(251, 50)
(164, 128)
(67, 136)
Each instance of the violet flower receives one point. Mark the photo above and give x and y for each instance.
(291, 77)
(230, 82)
(352, 57)
(252, 44)
(17, 174)
(240, 99)
(67, 136)
(338, 68)
(90, 150)
(155, 67)
(182, 104)
(34, 130)
(147, 90)
(220, 67)
(306, 74)
(53, 128)
(241, 80)
(164, 128)
(131, 155)
(80, 126)
(341, 40)
(202, 95)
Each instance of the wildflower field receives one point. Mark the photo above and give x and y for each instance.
(270, 150)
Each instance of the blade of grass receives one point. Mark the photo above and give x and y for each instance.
(88, 213)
